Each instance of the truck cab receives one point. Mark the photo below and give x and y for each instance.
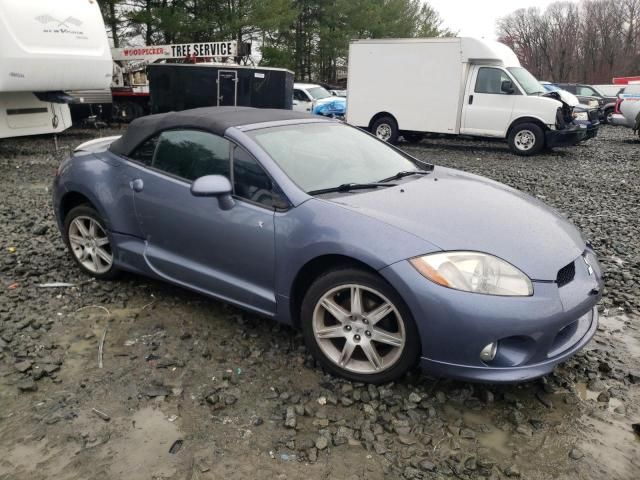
(457, 86)
(509, 102)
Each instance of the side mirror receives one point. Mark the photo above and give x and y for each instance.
(507, 87)
(214, 186)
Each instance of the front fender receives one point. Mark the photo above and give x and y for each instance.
(543, 109)
(318, 228)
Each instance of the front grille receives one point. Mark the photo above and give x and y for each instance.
(566, 274)
(594, 115)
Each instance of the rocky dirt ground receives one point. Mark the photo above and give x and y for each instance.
(194, 389)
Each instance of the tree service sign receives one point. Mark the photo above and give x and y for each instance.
(150, 54)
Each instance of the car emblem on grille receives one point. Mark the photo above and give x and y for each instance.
(589, 267)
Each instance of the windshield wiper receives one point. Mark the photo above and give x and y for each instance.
(404, 173)
(347, 187)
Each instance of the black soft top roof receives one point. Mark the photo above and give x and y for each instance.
(211, 119)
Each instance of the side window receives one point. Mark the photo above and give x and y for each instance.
(252, 183)
(192, 154)
(300, 96)
(144, 152)
(586, 91)
(489, 80)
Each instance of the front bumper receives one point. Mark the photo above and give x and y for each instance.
(533, 333)
(592, 129)
(566, 137)
(589, 322)
(620, 120)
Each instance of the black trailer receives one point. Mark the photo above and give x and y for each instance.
(175, 87)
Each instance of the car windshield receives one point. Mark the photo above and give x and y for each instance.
(550, 87)
(325, 155)
(528, 82)
(318, 93)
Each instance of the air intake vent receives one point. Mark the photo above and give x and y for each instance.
(566, 274)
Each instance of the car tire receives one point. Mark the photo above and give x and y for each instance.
(526, 139)
(607, 115)
(413, 137)
(376, 343)
(386, 129)
(90, 242)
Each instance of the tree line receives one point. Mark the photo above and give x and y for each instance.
(310, 37)
(590, 41)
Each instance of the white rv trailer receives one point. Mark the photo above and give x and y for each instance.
(47, 47)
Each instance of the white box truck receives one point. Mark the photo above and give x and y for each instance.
(46, 48)
(468, 86)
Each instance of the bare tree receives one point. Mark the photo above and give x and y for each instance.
(590, 41)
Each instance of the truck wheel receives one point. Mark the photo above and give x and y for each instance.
(386, 129)
(526, 139)
(128, 111)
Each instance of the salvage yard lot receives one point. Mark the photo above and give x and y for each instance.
(195, 389)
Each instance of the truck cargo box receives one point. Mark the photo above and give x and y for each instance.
(175, 87)
(48, 45)
(420, 80)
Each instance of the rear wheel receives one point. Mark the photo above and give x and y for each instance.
(127, 111)
(608, 113)
(386, 129)
(358, 327)
(89, 242)
(526, 139)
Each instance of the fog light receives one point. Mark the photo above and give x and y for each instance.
(488, 353)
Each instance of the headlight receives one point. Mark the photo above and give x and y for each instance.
(474, 272)
(581, 116)
(594, 103)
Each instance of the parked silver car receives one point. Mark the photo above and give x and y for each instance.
(627, 107)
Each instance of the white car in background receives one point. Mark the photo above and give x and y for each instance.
(627, 107)
(307, 95)
(312, 98)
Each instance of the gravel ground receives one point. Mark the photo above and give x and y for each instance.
(192, 388)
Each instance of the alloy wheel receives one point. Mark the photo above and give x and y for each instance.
(359, 329)
(90, 244)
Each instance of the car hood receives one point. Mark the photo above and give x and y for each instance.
(563, 96)
(459, 211)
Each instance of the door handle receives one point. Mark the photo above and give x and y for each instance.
(470, 99)
(136, 185)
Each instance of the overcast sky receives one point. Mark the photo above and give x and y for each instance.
(477, 18)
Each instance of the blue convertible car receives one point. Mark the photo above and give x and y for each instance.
(381, 259)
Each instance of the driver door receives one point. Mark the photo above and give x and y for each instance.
(487, 109)
(190, 240)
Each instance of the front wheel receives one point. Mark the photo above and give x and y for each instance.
(526, 139)
(89, 242)
(357, 326)
(386, 129)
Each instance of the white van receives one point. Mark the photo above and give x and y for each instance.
(408, 87)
